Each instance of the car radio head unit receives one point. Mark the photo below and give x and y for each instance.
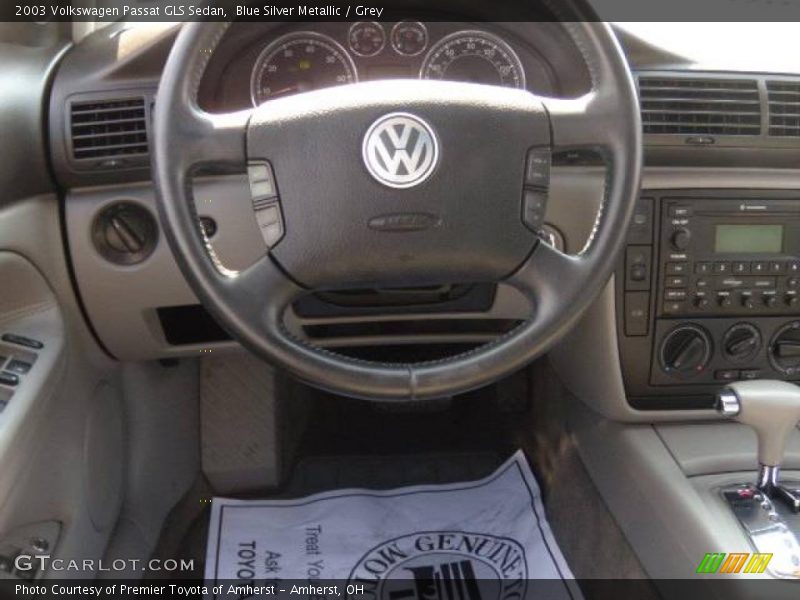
(726, 257)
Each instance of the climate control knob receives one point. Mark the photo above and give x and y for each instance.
(741, 343)
(685, 351)
(784, 350)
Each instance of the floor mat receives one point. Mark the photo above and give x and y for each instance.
(478, 540)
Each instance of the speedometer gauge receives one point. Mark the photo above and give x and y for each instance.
(476, 57)
(300, 62)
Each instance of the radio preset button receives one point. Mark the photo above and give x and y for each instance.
(776, 267)
(721, 268)
(740, 268)
(793, 266)
(759, 267)
(702, 268)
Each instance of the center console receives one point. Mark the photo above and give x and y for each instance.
(708, 293)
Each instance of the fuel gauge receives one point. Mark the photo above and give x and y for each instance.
(366, 38)
(409, 38)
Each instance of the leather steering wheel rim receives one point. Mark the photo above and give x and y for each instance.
(251, 304)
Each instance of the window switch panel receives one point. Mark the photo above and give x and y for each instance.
(19, 366)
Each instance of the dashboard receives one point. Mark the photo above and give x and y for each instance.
(677, 336)
(295, 58)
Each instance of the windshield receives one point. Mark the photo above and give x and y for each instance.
(729, 46)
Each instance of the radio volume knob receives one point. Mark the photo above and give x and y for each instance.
(680, 239)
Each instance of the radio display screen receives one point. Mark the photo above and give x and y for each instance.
(748, 239)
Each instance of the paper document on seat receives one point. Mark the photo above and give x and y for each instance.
(478, 540)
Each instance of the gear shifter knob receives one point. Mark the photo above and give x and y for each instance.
(772, 408)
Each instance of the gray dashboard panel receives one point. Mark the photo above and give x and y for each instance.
(121, 300)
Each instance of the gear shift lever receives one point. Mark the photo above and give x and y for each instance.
(772, 409)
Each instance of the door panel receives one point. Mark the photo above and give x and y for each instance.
(61, 429)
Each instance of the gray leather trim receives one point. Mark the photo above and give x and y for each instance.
(704, 448)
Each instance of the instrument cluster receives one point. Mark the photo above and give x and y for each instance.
(341, 53)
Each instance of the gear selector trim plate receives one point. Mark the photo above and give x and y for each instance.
(771, 526)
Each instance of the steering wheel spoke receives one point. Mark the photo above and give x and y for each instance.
(589, 121)
(215, 139)
(550, 277)
(260, 293)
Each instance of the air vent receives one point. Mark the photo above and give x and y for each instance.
(108, 130)
(784, 108)
(704, 106)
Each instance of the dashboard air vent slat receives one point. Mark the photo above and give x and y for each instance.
(108, 129)
(705, 106)
(784, 108)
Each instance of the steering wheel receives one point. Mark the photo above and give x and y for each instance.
(396, 183)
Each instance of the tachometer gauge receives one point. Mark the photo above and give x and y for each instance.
(366, 38)
(409, 38)
(474, 56)
(300, 62)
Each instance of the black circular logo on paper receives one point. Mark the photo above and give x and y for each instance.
(442, 565)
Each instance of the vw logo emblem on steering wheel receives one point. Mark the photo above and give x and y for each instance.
(400, 150)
